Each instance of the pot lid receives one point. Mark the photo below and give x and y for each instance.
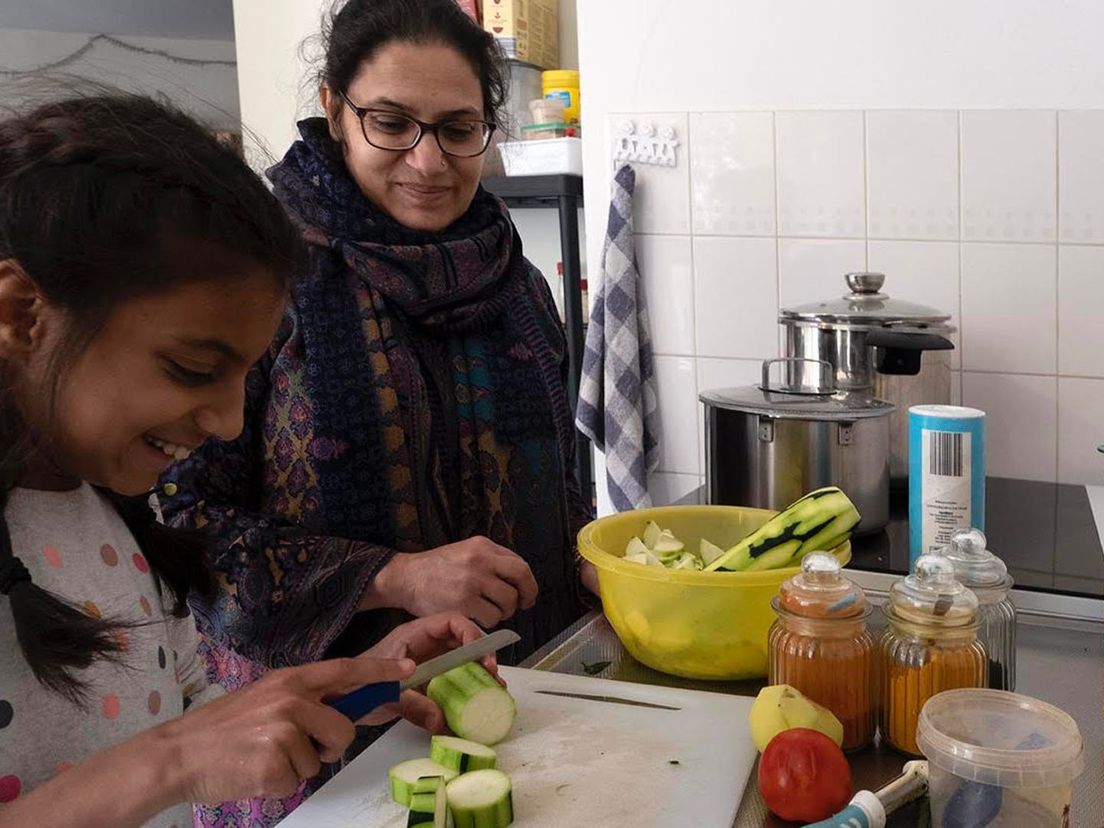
(867, 305)
(794, 399)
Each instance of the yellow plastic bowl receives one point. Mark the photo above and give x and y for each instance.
(701, 625)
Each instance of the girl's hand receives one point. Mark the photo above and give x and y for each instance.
(262, 740)
(420, 640)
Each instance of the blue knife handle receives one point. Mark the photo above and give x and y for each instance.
(360, 703)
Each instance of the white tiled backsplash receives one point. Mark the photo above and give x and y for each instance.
(996, 217)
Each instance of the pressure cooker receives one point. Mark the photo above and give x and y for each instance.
(884, 348)
(767, 445)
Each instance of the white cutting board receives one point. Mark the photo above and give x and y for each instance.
(577, 762)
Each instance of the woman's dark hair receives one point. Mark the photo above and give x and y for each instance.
(356, 31)
(106, 198)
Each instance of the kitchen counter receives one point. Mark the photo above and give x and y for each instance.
(1048, 647)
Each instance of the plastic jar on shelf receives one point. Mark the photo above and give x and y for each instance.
(820, 645)
(563, 84)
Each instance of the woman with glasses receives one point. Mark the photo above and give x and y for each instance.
(408, 446)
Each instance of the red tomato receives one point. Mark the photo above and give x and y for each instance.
(804, 776)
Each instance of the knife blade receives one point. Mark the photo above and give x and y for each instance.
(606, 699)
(359, 703)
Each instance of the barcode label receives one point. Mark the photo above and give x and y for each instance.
(945, 453)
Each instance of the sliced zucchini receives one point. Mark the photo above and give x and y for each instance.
(481, 799)
(709, 552)
(475, 705)
(429, 804)
(461, 755)
(651, 534)
(825, 515)
(405, 775)
(635, 546)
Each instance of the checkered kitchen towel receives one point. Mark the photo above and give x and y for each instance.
(617, 393)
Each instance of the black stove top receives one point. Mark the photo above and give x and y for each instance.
(1044, 532)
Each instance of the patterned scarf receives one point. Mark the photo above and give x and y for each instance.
(434, 373)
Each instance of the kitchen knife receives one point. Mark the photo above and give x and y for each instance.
(606, 699)
(361, 702)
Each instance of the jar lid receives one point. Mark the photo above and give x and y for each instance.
(1000, 738)
(975, 566)
(931, 594)
(821, 590)
(865, 304)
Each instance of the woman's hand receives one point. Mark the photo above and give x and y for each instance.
(486, 582)
(262, 740)
(420, 640)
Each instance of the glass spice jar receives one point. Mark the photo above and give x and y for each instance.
(820, 645)
(929, 646)
(986, 575)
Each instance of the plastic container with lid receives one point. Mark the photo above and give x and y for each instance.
(563, 84)
(983, 572)
(999, 759)
(929, 646)
(820, 645)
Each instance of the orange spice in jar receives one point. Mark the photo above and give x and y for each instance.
(820, 646)
(930, 645)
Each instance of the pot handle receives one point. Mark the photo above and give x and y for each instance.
(825, 385)
(900, 352)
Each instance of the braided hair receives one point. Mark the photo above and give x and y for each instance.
(98, 196)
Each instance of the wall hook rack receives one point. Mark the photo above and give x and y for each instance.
(644, 144)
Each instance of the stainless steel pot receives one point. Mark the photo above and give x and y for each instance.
(885, 348)
(767, 445)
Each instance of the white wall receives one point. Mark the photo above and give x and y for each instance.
(273, 76)
(208, 92)
(774, 197)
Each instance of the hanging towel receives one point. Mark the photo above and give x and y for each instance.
(617, 392)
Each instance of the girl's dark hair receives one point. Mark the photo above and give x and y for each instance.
(353, 34)
(106, 198)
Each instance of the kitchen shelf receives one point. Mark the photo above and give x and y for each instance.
(565, 193)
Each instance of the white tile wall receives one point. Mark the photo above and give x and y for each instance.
(810, 270)
(667, 276)
(820, 174)
(1080, 430)
(1021, 424)
(1009, 176)
(1081, 310)
(1009, 308)
(736, 297)
(732, 173)
(912, 175)
(662, 198)
(678, 415)
(1080, 177)
(996, 217)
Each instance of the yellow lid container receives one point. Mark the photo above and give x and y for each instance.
(563, 84)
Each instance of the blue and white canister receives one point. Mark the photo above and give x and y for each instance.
(946, 474)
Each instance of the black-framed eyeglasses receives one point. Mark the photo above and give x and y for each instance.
(387, 130)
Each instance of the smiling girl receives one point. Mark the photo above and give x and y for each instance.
(143, 269)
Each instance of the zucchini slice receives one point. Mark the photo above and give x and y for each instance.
(481, 799)
(429, 804)
(462, 755)
(475, 705)
(405, 775)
